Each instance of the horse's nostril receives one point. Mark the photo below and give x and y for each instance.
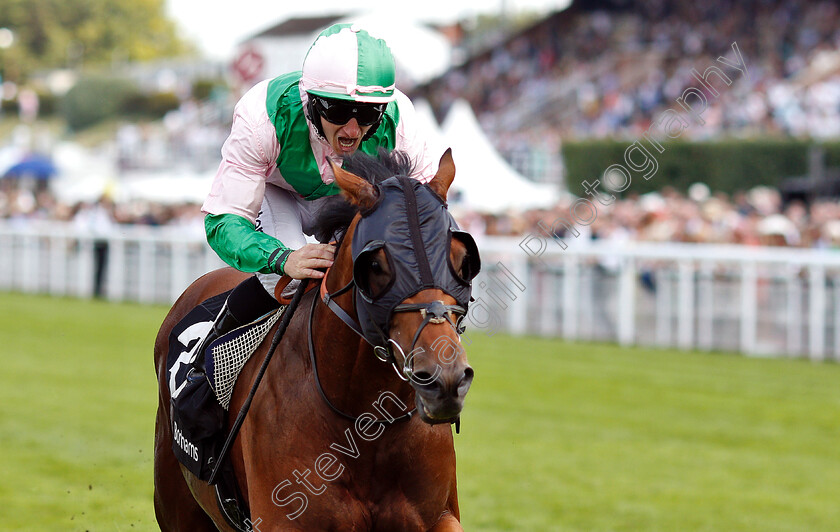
(465, 382)
(468, 374)
(422, 378)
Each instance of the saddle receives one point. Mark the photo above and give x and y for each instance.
(201, 384)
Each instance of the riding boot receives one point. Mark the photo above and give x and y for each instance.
(225, 322)
(245, 303)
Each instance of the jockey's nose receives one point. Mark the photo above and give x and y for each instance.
(352, 129)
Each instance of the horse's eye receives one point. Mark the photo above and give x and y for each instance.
(463, 257)
(464, 270)
(375, 267)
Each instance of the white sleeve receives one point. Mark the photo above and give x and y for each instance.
(249, 156)
(415, 139)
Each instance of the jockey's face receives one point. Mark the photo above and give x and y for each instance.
(344, 138)
(345, 122)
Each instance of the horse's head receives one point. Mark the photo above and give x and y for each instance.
(412, 271)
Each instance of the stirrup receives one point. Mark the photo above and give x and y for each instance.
(236, 516)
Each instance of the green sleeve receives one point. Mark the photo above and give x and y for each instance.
(240, 245)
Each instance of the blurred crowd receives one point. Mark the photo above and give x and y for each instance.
(193, 133)
(608, 73)
(582, 74)
(19, 207)
(755, 217)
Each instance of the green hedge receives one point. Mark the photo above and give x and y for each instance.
(47, 104)
(154, 105)
(205, 89)
(9, 106)
(725, 165)
(94, 99)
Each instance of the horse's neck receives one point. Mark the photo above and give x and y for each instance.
(351, 376)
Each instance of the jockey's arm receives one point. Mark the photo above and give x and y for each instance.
(240, 245)
(412, 140)
(234, 201)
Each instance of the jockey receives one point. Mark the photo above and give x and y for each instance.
(275, 172)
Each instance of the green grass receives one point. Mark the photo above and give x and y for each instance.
(77, 423)
(554, 436)
(559, 436)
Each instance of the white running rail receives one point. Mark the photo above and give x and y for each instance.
(761, 301)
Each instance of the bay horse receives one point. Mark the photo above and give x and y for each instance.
(331, 441)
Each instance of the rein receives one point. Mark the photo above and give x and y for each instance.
(314, 362)
(240, 418)
(327, 298)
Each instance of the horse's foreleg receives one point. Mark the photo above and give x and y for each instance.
(447, 523)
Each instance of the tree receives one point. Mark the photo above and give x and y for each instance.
(70, 33)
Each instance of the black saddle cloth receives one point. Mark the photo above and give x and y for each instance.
(198, 420)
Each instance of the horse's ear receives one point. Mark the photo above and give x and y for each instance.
(360, 192)
(444, 176)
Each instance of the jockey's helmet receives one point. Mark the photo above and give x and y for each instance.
(347, 63)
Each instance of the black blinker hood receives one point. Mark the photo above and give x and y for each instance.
(416, 228)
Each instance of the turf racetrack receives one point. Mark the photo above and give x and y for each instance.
(555, 436)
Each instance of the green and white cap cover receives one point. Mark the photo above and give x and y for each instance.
(347, 63)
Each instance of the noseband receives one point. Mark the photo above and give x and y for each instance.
(435, 312)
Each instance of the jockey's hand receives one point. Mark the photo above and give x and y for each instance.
(302, 263)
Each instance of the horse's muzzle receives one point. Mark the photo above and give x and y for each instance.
(439, 396)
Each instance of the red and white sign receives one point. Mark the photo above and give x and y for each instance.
(248, 65)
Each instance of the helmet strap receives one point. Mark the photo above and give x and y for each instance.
(314, 117)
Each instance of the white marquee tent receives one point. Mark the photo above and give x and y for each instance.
(429, 128)
(486, 181)
(420, 52)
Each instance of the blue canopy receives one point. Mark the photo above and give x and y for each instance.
(36, 166)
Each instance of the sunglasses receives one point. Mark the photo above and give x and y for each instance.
(340, 112)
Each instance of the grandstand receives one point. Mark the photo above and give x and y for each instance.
(606, 68)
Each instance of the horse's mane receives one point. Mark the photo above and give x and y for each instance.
(337, 213)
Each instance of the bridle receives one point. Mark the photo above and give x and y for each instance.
(313, 360)
(435, 312)
(423, 260)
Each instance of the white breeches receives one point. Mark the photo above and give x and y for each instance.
(289, 218)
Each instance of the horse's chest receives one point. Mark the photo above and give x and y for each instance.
(353, 484)
(346, 509)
